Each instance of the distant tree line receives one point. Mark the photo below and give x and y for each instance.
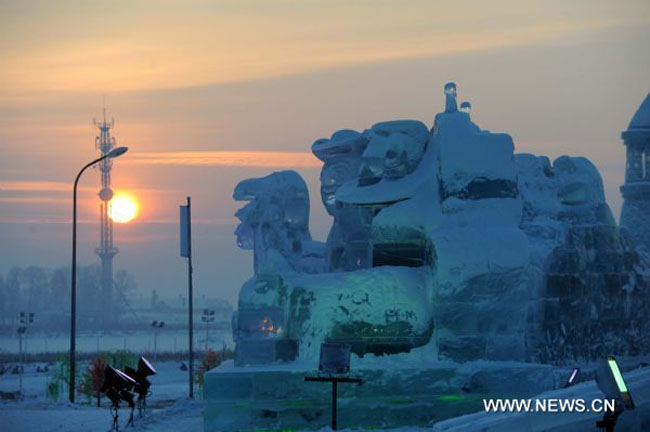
(46, 292)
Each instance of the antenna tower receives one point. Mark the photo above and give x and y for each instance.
(104, 142)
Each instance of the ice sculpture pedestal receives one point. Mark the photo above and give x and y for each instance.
(277, 397)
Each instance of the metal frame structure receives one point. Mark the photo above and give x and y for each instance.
(104, 142)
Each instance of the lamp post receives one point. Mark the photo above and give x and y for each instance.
(207, 318)
(21, 332)
(157, 325)
(118, 151)
(26, 319)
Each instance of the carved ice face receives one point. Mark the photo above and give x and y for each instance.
(394, 150)
(386, 156)
(336, 172)
(279, 200)
(245, 232)
(342, 156)
(245, 236)
(295, 212)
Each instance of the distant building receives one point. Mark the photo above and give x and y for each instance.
(635, 215)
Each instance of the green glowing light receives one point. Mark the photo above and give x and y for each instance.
(452, 397)
(613, 366)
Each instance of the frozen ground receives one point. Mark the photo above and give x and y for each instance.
(169, 407)
(171, 410)
(636, 420)
(185, 415)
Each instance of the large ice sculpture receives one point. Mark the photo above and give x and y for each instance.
(440, 237)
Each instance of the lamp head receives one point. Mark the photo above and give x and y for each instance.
(610, 381)
(115, 378)
(573, 378)
(140, 376)
(118, 151)
(145, 368)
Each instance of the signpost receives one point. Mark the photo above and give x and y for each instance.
(334, 380)
(186, 251)
(335, 362)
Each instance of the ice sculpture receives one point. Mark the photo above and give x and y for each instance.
(394, 150)
(636, 190)
(440, 237)
(341, 155)
(274, 224)
(450, 97)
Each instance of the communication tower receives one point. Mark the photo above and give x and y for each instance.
(104, 142)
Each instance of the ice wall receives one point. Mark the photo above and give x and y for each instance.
(481, 273)
(593, 288)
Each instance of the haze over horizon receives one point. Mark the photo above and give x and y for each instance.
(206, 94)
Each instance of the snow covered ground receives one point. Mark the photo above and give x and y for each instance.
(636, 420)
(185, 415)
(171, 410)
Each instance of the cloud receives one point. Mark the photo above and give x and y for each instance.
(29, 200)
(204, 43)
(38, 186)
(229, 222)
(53, 186)
(253, 159)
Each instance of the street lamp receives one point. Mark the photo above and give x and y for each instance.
(118, 151)
(26, 319)
(157, 325)
(207, 318)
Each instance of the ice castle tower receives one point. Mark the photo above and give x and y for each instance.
(635, 215)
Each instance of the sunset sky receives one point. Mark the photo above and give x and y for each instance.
(206, 93)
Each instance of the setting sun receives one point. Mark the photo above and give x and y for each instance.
(123, 208)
